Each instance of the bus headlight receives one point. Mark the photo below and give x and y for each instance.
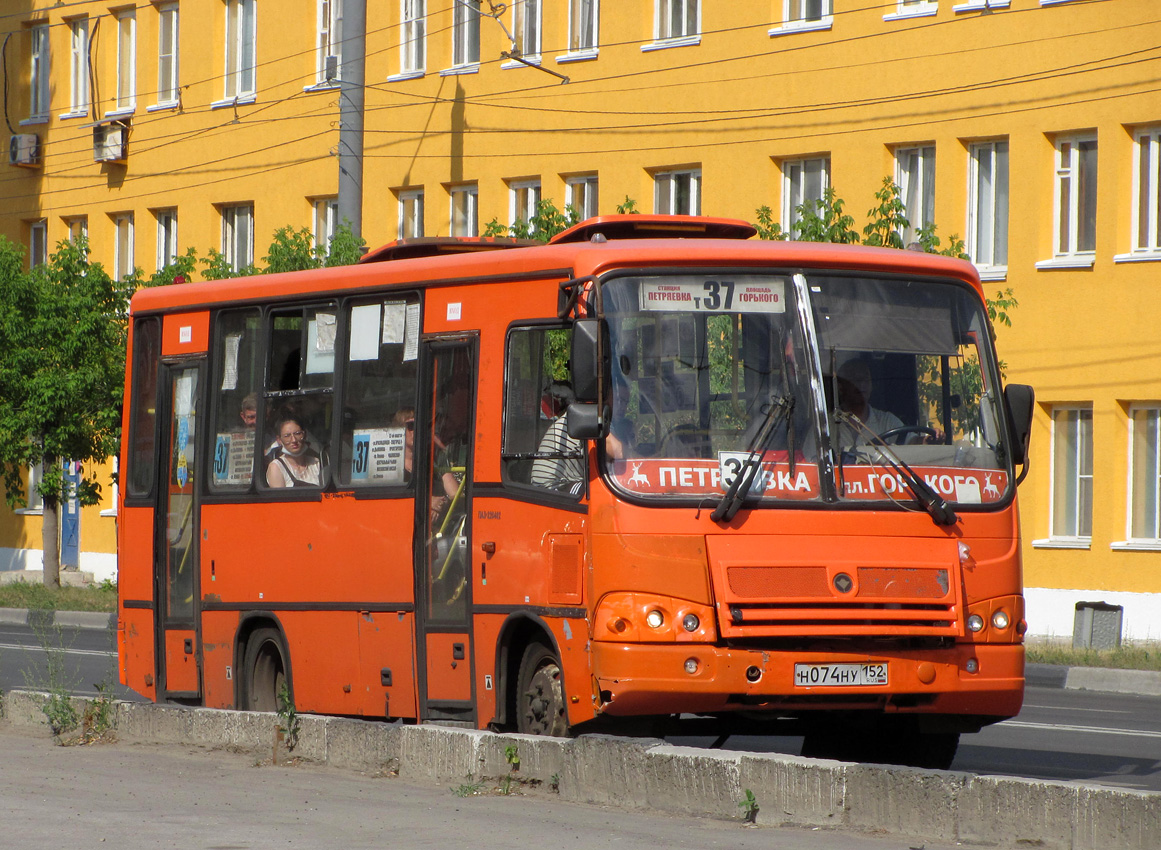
(690, 622)
(975, 623)
(1000, 619)
(655, 619)
(636, 617)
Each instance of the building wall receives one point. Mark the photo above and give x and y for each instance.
(737, 101)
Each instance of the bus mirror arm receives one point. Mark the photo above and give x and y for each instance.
(1021, 402)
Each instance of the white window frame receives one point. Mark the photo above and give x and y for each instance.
(412, 38)
(238, 235)
(123, 247)
(40, 66)
(166, 236)
(523, 197)
(1075, 451)
(794, 181)
(410, 214)
(665, 191)
(527, 30)
(584, 39)
(1146, 216)
(905, 9)
(587, 187)
(980, 5)
(78, 226)
(465, 36)
(326, 223)
(1067, 199)
(798, 16)
(78, 68)
(241, 52)
(467, 197)
(126, 93)
(34, 501)
(37, 243)
(916, 187)
(168, 55)
(1144, 479)
(329, 41)
(989, 193)
(665, 34)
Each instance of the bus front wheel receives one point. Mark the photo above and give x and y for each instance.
(265, 671)
(540, 694)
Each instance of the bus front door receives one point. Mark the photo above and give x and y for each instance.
(443, 513)
(176, 549)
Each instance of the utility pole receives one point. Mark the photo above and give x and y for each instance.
(351, 97)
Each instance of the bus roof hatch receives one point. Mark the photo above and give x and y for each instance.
(656, 227)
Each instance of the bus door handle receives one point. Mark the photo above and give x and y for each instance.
(189, 646)
(458, 651)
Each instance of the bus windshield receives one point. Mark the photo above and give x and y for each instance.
(822, 386)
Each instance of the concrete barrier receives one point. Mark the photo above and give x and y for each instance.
(648, 774)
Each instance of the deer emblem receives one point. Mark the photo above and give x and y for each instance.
(638, 477)
(990, 489)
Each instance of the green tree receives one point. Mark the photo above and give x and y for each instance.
(62, 371)
(546, 222)
(888, 219)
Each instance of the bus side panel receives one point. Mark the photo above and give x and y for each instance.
(135, 590)
(138, 664)
(218, 663)
(385, 642)
(324, 666)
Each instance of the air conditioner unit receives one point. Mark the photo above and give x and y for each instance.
(110, 142)
(24, 149)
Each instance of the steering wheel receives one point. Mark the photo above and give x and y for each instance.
(904, 430)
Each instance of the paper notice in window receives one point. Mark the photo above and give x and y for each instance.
(365, 332)
(230, 368)
(183, 392)
(394, 322)
(325, 341)
(411, 342)
(377, 455)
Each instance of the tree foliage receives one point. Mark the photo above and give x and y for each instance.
(546, 222)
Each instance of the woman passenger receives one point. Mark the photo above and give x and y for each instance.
(295, 463)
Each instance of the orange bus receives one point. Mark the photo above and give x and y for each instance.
(653, 469)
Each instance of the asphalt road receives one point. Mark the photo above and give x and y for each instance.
(1109, 739)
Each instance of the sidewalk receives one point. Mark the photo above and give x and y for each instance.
(65, 619)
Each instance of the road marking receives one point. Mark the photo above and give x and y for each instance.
(1070, 708)
(1065, 727)
(98, 652)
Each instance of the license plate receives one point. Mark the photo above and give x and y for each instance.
(839, 675)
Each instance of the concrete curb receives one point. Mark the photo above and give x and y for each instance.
(1142, 682)
(65, 619)
(646, 774)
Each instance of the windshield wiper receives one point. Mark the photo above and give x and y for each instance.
(735, 494)
(938, 509)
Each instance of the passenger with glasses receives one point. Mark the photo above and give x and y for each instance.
(295, 463)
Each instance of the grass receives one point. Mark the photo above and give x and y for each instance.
(102, 597)
(1138, 656)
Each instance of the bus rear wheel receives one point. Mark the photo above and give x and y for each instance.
(540, 708)
(265, 671)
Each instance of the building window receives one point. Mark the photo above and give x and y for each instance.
(1145, 473)
(915, 174)
(526, 28)
(167, 41)
(33, 501)
(806, 14)
(330, 40)
(523, 198)
(126, 60)
(78, 227)
(466, 32)
(240, 48)
(1076, 198)
(803, 182)
(326, 223)
(580, 193)
(913, 9)
(38, 72)
(677, 192)
(413, 37)
(1147, 192)
(677, 19)
(1072, 472)
(37, 243)
(465, 218)
(79, 66)
(583, 30)
(410, 213)
(166, 237)
(238, 236)
(123, 247)
(987, 242)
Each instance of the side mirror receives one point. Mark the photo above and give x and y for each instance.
(586, 421)
(589, 357)
(1021, 401)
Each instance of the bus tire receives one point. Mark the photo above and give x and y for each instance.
(265, 671)
(540, 706)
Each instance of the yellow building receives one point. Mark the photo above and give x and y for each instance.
(1032, 128)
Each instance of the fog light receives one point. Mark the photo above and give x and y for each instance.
(972, 665)
(654, 619)
(618, 625)
(975, 623)
(1000, 619)
(753, 674)
(690, 622)
(691, 666)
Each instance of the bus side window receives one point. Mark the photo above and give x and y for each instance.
(237, 385)
(377, 422)
(537, 450)
(143, 425)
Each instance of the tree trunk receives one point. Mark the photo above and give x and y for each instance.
(50, 542)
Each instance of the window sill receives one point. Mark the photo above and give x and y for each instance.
(36, 119)
(118, 114)
(29, 511)
(240, 100)
(167, 106)
(1086, 261)
(65, 116)
(981, 6)
(920, 12)
(665, 44)
(1054, 2)
(331, 85)
(578, 56)
(991, 274)
(1063, 543)
(801, 26)
(112, 512)
(404, 76)
(1136, 546)
(1140, 257)
(534, 59)
(460, 69)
